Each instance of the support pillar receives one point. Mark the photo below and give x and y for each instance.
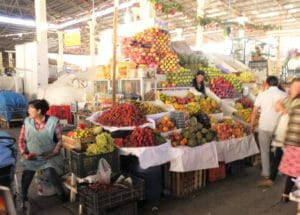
(92, 25)
(1, 62)
(60, 59)
(199, 30)
(42, 42)
(278, 64)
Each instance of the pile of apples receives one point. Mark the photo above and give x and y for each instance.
(148, 47)
(169, 63)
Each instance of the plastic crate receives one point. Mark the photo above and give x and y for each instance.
(218, 173)
(179, 118)
(83, 165)
(61, 112)
(98, 201)
(126, 209)
(182, 184)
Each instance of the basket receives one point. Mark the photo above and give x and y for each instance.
(83, 165)
(179, 118)
(99, 201)
(78, 143)
(182, 184)
(218, 173)
(126, 209)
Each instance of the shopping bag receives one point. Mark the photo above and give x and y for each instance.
(104, 171)
(280, 131)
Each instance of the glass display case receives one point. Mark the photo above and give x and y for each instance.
(247, 50)
(291, 69)
(138, 88)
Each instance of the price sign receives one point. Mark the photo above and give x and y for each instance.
(72, 38)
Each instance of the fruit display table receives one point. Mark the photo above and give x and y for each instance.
(195, 158)
(236, 149)
(153, 155)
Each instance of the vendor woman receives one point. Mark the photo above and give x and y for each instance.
(199, 83)
(40, 144)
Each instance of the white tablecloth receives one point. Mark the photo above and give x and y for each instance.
(195, 158)
(153, 155)
(236, 149)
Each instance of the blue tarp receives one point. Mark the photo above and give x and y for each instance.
(7, 146)
(12, 105)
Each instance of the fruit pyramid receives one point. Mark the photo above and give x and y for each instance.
(147, 47)
(169, 63)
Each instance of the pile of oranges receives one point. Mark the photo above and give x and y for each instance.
(165, 125)
(177, 139)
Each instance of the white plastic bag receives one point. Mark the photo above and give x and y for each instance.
(104, 171)
(280, 131)
(43, 186)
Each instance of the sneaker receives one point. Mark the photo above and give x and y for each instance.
(295, 196)
(266, 183)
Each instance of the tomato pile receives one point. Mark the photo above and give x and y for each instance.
(121, 115)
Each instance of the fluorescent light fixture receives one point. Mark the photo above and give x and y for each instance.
(31, 23)
(263, 15)
(288, 6)
(98, 14)
(295, 10)
(16, 21)
(23, 22)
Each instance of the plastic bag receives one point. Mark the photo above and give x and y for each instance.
(102, 176)
(104, 171)
(280, 131)
(43, 186)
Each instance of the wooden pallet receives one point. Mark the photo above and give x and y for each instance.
(182, 184)
(4, 123)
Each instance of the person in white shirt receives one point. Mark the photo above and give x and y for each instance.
(268, 119)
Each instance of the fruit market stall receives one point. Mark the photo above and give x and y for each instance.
(148, 146)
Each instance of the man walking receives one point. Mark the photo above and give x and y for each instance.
(266, 101)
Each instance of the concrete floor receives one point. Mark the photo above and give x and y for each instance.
(235, 195)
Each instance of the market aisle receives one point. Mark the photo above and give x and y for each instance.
(235, 195)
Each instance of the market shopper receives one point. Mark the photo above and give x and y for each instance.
(290, 164)
(266, 101)
(40, 144)
(198, 82)
(283, 107)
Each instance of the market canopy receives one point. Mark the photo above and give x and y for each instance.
(256, 17)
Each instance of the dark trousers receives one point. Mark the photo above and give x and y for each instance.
(276, 158)
(289, 185)
(49, 173)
